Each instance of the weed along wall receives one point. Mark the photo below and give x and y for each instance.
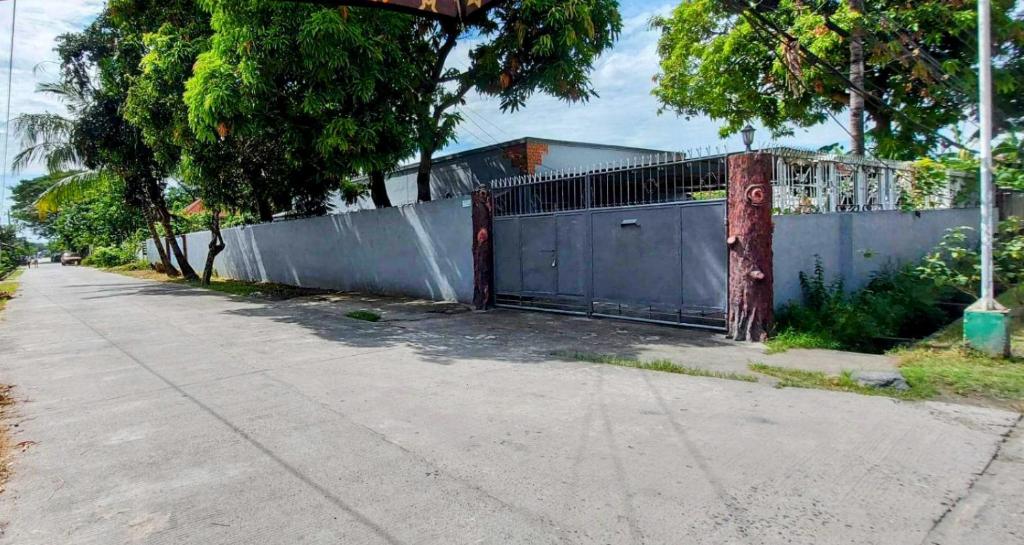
(855, 245)
(422, 250)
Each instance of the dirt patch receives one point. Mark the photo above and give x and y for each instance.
(6, 406)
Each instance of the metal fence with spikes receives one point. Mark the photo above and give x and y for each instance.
(652, 179)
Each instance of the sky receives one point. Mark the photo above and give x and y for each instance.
(624, 114)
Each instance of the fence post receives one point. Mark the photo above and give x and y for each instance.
(751, 282)
(483, 248)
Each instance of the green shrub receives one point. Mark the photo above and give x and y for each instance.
(112, 256)
(895, 304)
(956, 264)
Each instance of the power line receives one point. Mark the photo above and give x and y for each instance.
(7, 124)
(488, 121)
(827, 112)
(778, 33)
(471, 120)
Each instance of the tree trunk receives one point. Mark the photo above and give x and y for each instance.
(857, 80)
(379, 189)
(751, 282)
(164, 215)
(264, 209)
(165, 262)
(423, 175)
(483, 249)
(216, 245)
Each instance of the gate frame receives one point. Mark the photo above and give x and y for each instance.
(588, 295)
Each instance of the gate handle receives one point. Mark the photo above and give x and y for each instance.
(554, 262)
(627, 223)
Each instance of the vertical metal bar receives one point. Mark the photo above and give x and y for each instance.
(985, 113)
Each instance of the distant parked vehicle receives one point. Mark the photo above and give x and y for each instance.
(70, 258)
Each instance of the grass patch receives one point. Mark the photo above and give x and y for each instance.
(664, 366)
(6, 402)
(943, 363)
(791, 338)
(364, 315)
(798, 378)
(140, 265)
(8, 287)
(266, 290)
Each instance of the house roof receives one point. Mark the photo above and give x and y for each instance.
(409, 168)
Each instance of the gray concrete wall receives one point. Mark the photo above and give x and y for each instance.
(856, 245)
(422, 250)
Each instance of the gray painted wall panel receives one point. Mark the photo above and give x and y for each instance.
(423, 250)
(856, 245)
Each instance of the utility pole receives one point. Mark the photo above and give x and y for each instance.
(857, 79)
(7, 124)
(986, 322)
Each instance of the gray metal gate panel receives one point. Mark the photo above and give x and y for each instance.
(705, 256)
(662, 263)
(508, 274)
(538, 239)
(573, 257)
(637, 257)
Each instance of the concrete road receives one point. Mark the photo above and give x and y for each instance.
(162, 414)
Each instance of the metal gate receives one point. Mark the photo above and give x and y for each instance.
(643, 241)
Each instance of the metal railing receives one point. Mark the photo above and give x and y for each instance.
(805, 182)
(652, 179)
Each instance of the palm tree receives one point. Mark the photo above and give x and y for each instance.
(50, 139)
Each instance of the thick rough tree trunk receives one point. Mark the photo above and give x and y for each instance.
(265, 210)
(164, 215)
(483, 249)
(165, 262)
(423, 175)
(216, 246)
(379, 190)
(751, 283)
(857, 79)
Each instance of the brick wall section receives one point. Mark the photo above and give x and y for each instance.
(527, 157)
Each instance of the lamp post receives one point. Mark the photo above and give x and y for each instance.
(748, 136)
(986, 322)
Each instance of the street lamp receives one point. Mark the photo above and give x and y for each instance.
(748, 136)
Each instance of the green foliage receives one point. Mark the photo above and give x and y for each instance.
(15, 249)
(895, 304)
(364, 315)
(24, 196)
(920, 59)
(113, 256)
(98, 218)
(664, 366)
(956, 262)
(790, 338)
(844, 382)
(314, 96)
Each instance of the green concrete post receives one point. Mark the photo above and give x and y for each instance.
(988, 330)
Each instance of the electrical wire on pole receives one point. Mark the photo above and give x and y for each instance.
(7, 123)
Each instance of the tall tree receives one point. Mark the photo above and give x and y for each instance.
(316, 93)
(70, 150)
(788, 66)
(520, 47)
